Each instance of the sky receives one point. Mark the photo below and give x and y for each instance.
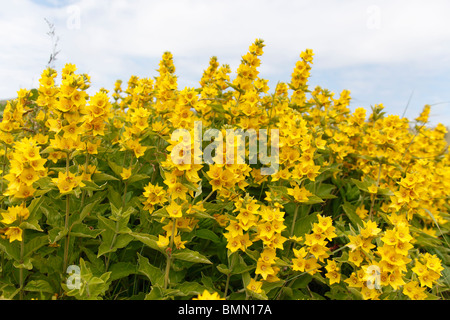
(392, 52)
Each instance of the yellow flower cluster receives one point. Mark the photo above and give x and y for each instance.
(26, 167)
(315, 250)
(391, 268)
(376, 184)
(257, 223)
(14, 213)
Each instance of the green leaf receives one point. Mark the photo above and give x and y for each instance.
(190, 288)
(92, 186)
(78, 217)
(97, 286)
(114, 197)
(39, 286)
(191, 256)
(34, 244)
(435, 221)
(115, 167)
(269, 286)
(304, 224)
(92, 287)
(363, 186)
(83, 231)
(223, 269)
(35, 205)
(156, 293)
(154, 274)
(207, 235)
(350, 211)
(385, 192)
(31, 224)
(324, 191)
(302, 281)
(102, 177)
(147, 239)
(137, 177)
(121, 270)
(112, 244)
(56, 234)
(26, 264)
(313, 200)
(96, 263)
(242, 268)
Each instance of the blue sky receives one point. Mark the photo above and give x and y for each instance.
(382, 51)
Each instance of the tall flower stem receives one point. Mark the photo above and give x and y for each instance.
(22, 245)
(3, 171)
(83, 194)
(66, 223)
(293, 227)
(169, 255)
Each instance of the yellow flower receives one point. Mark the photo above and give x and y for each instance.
(324, 222)
(268, 255)
(414, 291)
(433, 262)
(208, 296)
(311, 266)
(355, 242)
(29, 176)
(390, 237)
(353, 281)
(178, 191)
(255, 286)
(333, 276)
(162, 241)
(174, 210)
(24, 192)
(264, 269)
(402, 234)
(355, 257)
(179, 244)
(233, 243)
(126, 173)
(9, 216)
(91, 148)
(299, 194)
(362, 212)
(373, 189)
(14, 233)
(370, 229)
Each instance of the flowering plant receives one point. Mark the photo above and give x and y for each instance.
(136, 193)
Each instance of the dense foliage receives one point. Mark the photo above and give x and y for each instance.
(94, 206)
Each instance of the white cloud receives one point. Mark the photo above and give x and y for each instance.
(117, 38)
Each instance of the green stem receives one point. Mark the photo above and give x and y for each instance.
(3, 171)
(207, 197)
(292, 228)
(112, 245)
(21, 262)
(169, 256)
(227, 285)
(124, 194)
(293, 221)
(83, 194)
(66, 223)
(373, 195)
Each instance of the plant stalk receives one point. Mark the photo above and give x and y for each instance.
(66, 222)
(169, 255)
